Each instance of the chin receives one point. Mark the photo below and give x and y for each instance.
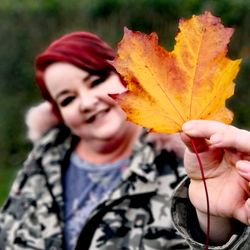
(108, 134)
(98, 133)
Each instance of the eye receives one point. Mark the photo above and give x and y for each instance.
(66, 101)
(97, 81)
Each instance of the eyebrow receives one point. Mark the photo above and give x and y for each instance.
(86, 78)
(61, 93)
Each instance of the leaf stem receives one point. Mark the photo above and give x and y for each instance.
(206, 192)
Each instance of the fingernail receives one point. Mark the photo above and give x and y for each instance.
(215, 139)
(243, 166)
(187, 126)
(248, 202)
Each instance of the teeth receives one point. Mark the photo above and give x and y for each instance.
(96, 116)
(100, 114)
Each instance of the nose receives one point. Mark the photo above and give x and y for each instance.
(88, 101)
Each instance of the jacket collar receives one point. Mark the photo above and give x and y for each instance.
(139, 177)
(49, 152)
(142, 159)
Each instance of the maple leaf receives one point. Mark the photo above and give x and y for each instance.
(193, 81)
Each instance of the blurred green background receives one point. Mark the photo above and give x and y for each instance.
(27, 26)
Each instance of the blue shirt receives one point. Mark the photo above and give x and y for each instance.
(85, 185)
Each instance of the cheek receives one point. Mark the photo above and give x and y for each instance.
(70, 118)
(110, 101)
(112, 85)
(114, 105)
(120, 113)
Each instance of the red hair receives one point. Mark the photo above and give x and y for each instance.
(82, 49)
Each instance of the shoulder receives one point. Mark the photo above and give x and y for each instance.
(56, 142)
(55, 135)
(55, 138)
(170, 170)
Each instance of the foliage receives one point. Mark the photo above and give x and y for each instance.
(6, 177)
(191, 82)
(27, 26)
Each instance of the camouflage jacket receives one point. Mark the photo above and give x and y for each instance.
(135, 216)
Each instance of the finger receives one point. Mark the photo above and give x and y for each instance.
(210, 159)
(199, 143)
(219, 134)
(232, 137)
(247, 205)
(243, 168)
(203, 128)
(243, 213)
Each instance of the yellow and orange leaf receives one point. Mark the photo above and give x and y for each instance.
(193, 81)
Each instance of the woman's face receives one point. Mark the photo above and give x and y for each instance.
(83, 101)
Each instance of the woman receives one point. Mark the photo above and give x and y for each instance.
(94, 181)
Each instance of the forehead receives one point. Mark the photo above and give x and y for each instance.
(61, 75)
(61, 70)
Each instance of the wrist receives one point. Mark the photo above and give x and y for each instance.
(221, 228)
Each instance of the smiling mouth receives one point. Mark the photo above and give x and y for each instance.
(97, 115)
